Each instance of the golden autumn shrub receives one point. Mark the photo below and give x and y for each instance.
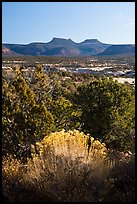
(72, 144)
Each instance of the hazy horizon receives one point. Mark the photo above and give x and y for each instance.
(67, 39)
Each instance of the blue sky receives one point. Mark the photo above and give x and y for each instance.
(109, 22)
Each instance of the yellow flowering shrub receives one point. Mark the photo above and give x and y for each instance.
(63, 154)
(72, 144)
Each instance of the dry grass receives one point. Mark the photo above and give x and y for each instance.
(62, 170)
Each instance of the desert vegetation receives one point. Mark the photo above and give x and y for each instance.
(67, 137)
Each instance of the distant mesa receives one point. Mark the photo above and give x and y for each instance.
(92, 41)
(67, 47)
(60, 39)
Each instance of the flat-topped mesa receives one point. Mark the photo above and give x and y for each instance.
(60, 39)
(92, 41)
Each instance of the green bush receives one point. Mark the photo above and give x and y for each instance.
(24, 121)
(107, 111)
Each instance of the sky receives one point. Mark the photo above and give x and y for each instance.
(109, 22)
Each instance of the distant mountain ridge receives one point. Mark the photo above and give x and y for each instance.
(67, 47)
(119, 50)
